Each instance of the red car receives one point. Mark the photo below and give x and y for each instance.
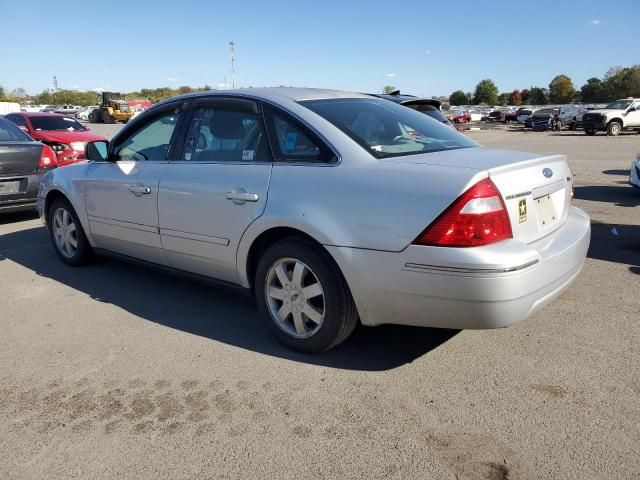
(459, 116)
(64, 135)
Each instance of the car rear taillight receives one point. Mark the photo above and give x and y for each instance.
(478, 217)
(47, 158)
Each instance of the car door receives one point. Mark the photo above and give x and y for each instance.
(633, 115)
(121, 194)
(216, 188)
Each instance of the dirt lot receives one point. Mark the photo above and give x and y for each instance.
(112, 371)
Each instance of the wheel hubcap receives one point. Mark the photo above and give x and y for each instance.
(295, 298)
(64, 232)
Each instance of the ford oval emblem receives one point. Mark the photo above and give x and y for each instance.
(547, 172)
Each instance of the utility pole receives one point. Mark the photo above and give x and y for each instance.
(233, 64)
(55, 83)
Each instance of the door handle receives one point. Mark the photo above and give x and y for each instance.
(242, 196)
(139, 190)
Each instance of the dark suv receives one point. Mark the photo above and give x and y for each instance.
(425, 105)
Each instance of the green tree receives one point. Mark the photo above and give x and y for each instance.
(515, 98)
(622, 82)
(388, 89)
(503, 99)
(561, 89)
(524, 94)
(1, 92)
(538, 96)
(458, 98)
(592, 91)
(486, 93)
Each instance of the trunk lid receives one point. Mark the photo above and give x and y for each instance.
(19, 158)
(536, 188)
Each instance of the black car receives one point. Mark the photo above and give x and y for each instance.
(541, 120)
(425, 105)
(23, 162)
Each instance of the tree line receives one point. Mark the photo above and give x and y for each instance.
(618, 82)
(74, 97)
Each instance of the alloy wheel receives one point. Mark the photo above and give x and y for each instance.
(65, 233)
(295, 298)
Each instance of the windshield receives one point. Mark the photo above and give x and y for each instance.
(620, 104)
(387, 129)
(55, 123)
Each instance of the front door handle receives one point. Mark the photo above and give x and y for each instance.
(139, 190)
(242, 197)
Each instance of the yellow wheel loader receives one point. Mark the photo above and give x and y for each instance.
(112, 109)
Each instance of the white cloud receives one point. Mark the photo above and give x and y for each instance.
(428, 52)
(390, 75)
(222, 85)
(593, 22)
(171, 79)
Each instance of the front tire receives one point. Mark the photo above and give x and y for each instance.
(303, 296)
(68, 238)
(613, 129)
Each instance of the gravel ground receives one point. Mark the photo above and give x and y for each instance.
(113, 371)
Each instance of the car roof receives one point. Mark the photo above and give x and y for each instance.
(42, 114)
(272, 93)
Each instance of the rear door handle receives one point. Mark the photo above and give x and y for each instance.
(139, 190)
(242, 196)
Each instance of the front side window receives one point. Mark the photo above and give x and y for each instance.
(56, 123)
(386, 129)
(292, 142)
(226, 132)
(151, 142)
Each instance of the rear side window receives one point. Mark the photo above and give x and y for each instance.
(293, 142)
(226, 131)
(10, 133)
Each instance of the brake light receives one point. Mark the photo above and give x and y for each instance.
(47, 158)
(478, 217)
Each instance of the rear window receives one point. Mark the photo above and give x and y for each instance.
(386, 129)
(55, 123)
(10, 133)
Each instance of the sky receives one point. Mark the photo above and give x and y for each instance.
(423, 48)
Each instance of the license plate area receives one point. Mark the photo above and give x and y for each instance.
(11, 187)
(547, 212)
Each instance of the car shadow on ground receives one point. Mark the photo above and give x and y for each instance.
(224, 315)
(622, 196)
(14, 217)
(616, 243)
(617, 171)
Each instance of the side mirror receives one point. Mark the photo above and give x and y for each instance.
(97, 151)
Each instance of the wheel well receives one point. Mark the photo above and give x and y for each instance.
(51, 197)
(616, 120)
(268, 238)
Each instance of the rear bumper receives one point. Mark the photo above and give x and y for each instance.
(475, 288)
(25, 200)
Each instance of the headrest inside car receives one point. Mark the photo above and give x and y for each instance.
(227, 125)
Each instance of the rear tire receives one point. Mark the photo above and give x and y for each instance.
(613, 129)
(67, 235)
(303, 296)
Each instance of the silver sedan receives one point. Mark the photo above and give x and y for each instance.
(334, 208)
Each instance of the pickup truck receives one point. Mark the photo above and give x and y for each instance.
(623, 114)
